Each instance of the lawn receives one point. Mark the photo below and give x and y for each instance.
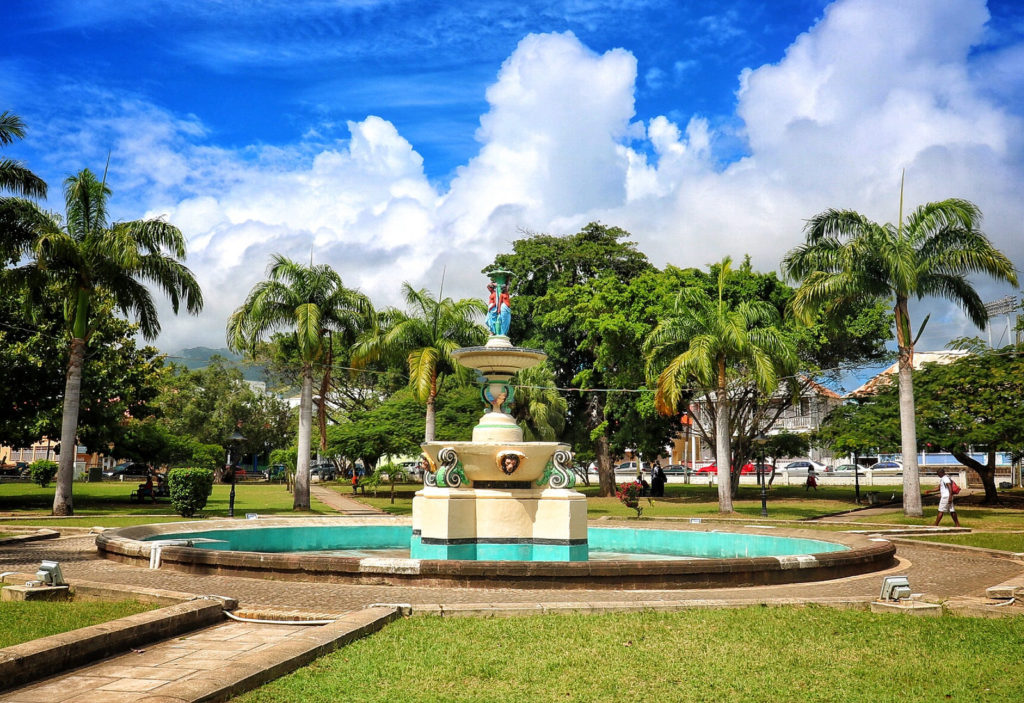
(682, 500)
(28, 620)
(971, 515)
(753, 654)
(110, 501)
(1006, 541)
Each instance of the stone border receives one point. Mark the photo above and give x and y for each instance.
(40, 534)
(864, 555)
(47, 656)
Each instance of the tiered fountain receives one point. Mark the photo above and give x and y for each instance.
(498, 497)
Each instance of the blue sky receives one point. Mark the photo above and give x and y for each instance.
(399, 139)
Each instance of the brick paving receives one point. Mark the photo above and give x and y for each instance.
(342, 503)
(934, 571)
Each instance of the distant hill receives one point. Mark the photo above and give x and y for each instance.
(199, 358)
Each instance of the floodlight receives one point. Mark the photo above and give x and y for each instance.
(50, 574)
(895, 588)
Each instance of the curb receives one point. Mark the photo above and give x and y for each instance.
(257, 668)
(41, 534)
(947, 547)
(49, 656)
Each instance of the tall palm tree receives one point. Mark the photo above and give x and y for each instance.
(702, 344)
(426, 336)
(14, 177)
(539, 407)
(85, 257)
(312, 302)
(847, 257)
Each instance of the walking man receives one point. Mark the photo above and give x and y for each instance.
(946, 498)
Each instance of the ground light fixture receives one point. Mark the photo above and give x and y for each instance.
(50, 574)
(760, 440)
(895, 588)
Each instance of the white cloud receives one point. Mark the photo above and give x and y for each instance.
(873, 88)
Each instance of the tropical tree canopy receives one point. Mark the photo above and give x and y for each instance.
(310, 302)
(703, 344)
(424, 337)
(84, 259)
(14, 176)
(848, 258)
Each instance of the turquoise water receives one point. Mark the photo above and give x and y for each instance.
(394, 541)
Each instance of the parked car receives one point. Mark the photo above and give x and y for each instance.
(277, 472)
(677, 470)
(847, 470)
(891, 467)
(797, 468)
(712, 469)
(128, 472)
(626, 467)
(323, 472)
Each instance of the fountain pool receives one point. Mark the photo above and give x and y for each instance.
(376, 550)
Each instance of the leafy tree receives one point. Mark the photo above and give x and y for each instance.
(425, 338)
(33, 363)
(538, 406)
(573, 299)
(311, 301)
(848, 258)
(14, 177)
(702, 343)
(88, 259)
(784, 444)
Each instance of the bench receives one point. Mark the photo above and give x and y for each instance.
(139, 494)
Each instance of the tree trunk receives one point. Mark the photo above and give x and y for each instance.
(428, 432)
(325, 386)
(723, 452)
(987, 473)
(301, 495)
(908, 428)
(605, 471)
(62, 497)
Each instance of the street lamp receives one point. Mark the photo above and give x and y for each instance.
(234, 440)
(760, 440)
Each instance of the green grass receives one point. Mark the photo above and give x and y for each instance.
(1006, 541)
(28, 620)
(974, 516)
(754, 654)
(107, 504)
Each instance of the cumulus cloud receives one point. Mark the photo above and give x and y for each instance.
(874, 87)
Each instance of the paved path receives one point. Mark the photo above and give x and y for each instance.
(937, 572)
(343, 504)
(140, 673)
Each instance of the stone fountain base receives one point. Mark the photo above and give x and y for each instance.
(499, 524)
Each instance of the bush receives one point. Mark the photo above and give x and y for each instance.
(189, 489)
(42, 472)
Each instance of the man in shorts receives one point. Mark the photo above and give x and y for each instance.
(945, 498)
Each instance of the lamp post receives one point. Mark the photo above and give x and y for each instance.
(856, 476)
(760, 440)
(234, 440)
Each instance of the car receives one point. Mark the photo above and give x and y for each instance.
(277, 472)
(748, 468)
(800, 467)
(892, 467)
(677, 470)
(323, 472)
(127, 472)
(847, 470)
(626, 467)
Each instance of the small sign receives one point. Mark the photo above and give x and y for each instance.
(251, 516)
(694, 520)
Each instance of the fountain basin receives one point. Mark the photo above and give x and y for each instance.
(689, 556)
(481, 460)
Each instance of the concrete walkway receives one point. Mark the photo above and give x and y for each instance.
(342, 503)
(212, 663)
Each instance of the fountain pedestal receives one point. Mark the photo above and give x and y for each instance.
(498, 497)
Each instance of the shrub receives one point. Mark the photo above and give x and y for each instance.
(189, 489)
(42, 472)
(629, 494)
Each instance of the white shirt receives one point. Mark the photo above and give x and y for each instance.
(944, 491)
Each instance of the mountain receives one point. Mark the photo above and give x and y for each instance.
(199, 358)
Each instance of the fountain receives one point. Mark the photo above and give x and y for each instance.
(497, 497)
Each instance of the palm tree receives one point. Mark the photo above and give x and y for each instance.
(847, 257)
(705, 341)
(312, 302)
(539, 407)
(14, 177)
(426, 338)
(87, 259)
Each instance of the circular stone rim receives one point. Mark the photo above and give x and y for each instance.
(865, 555)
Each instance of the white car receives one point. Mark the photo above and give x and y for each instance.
(796, 468)
(888, 467)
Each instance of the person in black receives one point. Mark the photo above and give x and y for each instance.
(658, 480)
